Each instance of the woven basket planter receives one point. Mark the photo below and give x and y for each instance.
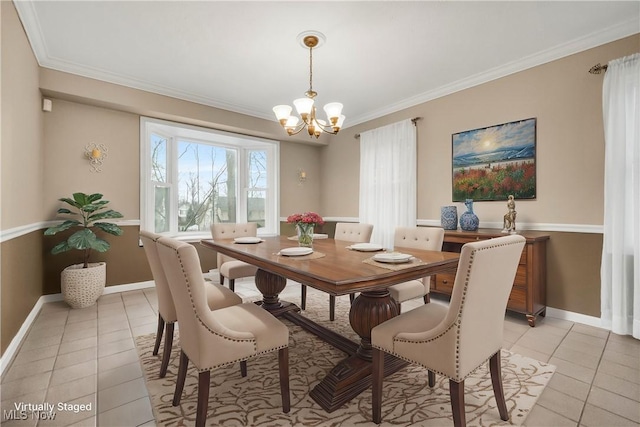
(81, 287)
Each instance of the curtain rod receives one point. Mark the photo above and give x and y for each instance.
(414, 120)
(598, 69)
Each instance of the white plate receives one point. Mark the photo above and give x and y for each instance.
(366, 247)
(297, 251)
(247, 240)
(392, 258)
(320, 236)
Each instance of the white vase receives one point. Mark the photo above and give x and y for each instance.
(81, 287)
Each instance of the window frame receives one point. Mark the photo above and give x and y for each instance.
(243, 144)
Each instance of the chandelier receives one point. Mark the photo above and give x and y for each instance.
(305, 107)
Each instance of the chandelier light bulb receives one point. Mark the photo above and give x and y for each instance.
(303, 106)
(333, 110)
(282, 113)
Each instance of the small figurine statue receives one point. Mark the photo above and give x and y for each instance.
(510, 217)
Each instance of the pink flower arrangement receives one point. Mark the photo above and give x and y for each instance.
(306, 218)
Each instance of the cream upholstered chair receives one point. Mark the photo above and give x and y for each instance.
(427, 238)
(214, 338)
(217, 297)
(457, 340)
(349, 232)
(229, 267)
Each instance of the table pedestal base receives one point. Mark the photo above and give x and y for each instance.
(352, 375)
(270, 285)
(348, 379)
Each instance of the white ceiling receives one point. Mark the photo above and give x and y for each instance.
(379, 56)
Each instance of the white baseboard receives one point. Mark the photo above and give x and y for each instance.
(14, 346)
(575, 317)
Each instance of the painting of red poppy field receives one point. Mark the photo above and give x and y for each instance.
(494, 162)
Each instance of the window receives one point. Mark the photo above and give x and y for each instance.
(194, 177)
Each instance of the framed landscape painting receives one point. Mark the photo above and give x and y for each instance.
(494, 162)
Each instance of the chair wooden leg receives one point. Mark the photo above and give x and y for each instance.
(303, 298)
(243, 368)
(332, 308)
(352, 297)
(456, 390)
(432, 379)
(166, 355)
(182, 375)
(377, 376)
(156, 347)
(221, 280)
(399, 308)
(427, 298)
(496, 380)
(283, 366)
(204, 380)
(232, 284)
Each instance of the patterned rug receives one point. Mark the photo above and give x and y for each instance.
(407, 399)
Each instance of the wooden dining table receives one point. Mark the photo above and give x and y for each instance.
(336, 269)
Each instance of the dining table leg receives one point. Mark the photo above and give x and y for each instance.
(270, 285)
(352, 375)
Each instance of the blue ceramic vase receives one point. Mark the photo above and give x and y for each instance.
(449, 217)
(468, 220)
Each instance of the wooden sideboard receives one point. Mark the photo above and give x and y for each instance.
(529, 292)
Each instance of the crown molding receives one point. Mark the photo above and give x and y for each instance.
(28, 16)
(581, 44)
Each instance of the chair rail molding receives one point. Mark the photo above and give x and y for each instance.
(15, 232)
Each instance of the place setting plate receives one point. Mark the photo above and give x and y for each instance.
(366, 247)
(296, 251)
(247, 240)
(392, 258)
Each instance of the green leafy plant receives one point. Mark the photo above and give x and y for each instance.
(90, 208)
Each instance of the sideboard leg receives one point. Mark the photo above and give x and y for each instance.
(531, 318)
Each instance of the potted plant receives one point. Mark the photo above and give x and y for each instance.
(82, 284)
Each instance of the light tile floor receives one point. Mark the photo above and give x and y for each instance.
(88, 357)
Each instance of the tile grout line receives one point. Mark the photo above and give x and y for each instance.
(586, 399)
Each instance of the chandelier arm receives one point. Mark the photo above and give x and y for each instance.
(325, 128)
(297, 129)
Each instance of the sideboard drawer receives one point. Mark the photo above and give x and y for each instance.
(444, 283)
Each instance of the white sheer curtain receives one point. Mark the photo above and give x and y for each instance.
(620, 270)
(388, 179)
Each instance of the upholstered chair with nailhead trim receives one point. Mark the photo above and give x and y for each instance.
(349, 232)
(229, 267)
(217, 296)
(455, 341)
(211, 339)
(427, 238)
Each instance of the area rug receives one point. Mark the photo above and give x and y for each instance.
(407, 398)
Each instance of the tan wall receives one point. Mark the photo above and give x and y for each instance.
(562, 95)
(21, 176)
(68, 129)
(567, 102)
(22, 156)
(72, 125)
